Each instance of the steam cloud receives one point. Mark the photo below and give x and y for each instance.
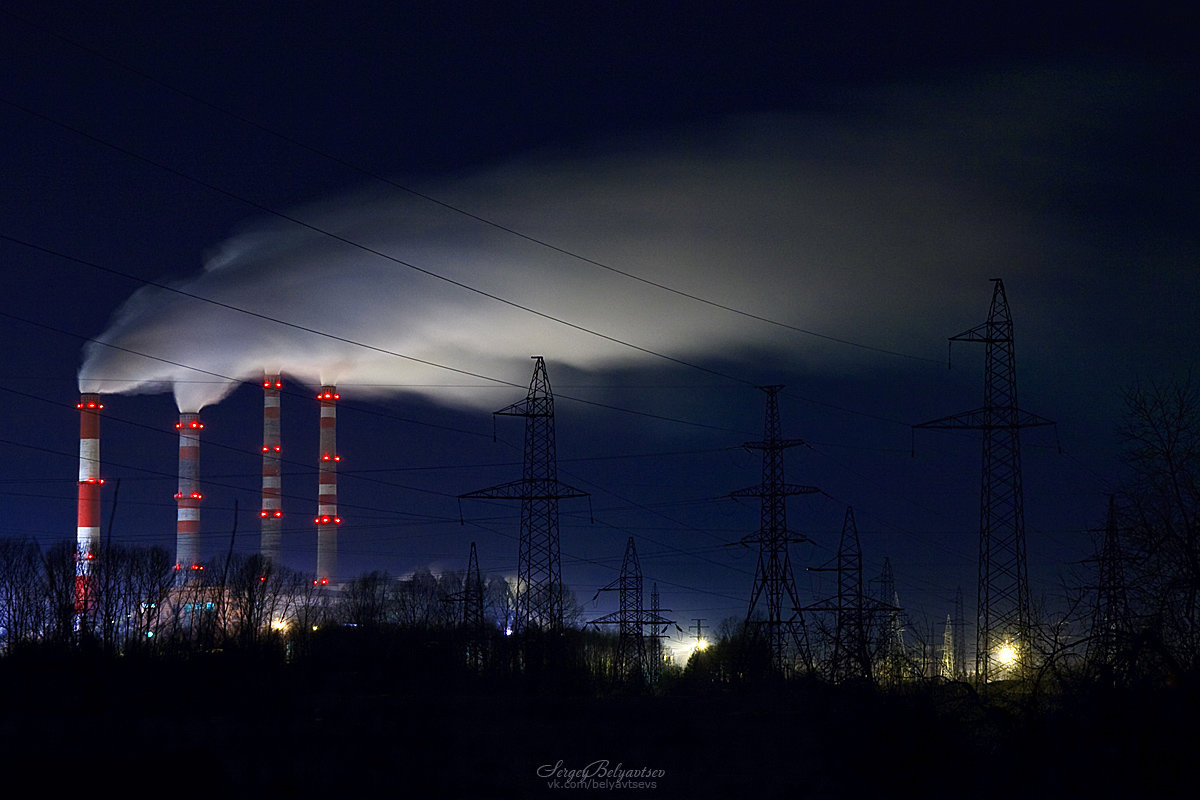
(856, 229)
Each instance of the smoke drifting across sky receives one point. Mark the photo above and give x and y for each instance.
(857, 223)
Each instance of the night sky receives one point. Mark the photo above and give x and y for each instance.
(673, 203)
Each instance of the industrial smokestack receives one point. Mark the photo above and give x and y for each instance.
(87, 532)
(187, 520)
(271, 514)
(327, 516)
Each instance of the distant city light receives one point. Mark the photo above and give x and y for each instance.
(1006, 655)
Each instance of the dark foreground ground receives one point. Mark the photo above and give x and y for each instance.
(232, 727)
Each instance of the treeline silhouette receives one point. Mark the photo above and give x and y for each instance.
(266, 682)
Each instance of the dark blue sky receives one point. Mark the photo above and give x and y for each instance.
(856, 174)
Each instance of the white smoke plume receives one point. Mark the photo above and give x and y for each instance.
(818, 221)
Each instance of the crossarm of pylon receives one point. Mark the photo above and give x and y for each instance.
(986, 419)
(643, 618)
(784, 489)
(777, 444)
(757, 538)
(526, 490)
(985, 332)
(529, 407)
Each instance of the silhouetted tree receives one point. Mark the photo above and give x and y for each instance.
(22, 604)
(1161, 521)
(368, 600)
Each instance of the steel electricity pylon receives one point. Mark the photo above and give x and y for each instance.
(539, 592)
(894, 653)
(654, 647)
(1111, 617)
(471, 622)
(1004, 626)
(631, 619)
(473, 594)
(960, 638)
(850, 655)
(774, 584)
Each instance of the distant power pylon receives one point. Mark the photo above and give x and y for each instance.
(1110, 619)
(773, 579)
(654, 647)
(1003, 632)
(960, 638)
(471, 597)
(894, 653)
(631, 619)
(699, 626)
(947, 668)
(851, 654)
(539, 592)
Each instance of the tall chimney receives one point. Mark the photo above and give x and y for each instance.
(87, 532)
(327, 517)
(187, 520)
(271, 543)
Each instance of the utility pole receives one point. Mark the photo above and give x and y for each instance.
(773, 578)
(1003, 631)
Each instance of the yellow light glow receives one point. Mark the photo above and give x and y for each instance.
(701, 644)
(279, 625)
(1006, 655)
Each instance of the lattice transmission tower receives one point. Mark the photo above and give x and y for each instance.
(850, 656)
(960, 637)
(473, 594)
(654, 644)
(539, 593)
(472, 622)
(946, 667)
(774, 584)
(1002, 645)
(893, 653)
(1111, 616)
(631, 619)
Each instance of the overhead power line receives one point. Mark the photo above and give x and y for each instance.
(263, 207)
(452, 207)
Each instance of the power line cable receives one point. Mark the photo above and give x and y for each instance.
(453, 208)
(351, 243)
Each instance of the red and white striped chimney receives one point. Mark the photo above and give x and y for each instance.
(271, 543)
(327, 516)
(87, 532)
(187, 520)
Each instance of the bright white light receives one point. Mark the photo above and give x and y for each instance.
(279, 625)
(683, 650)
(1006, 655)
